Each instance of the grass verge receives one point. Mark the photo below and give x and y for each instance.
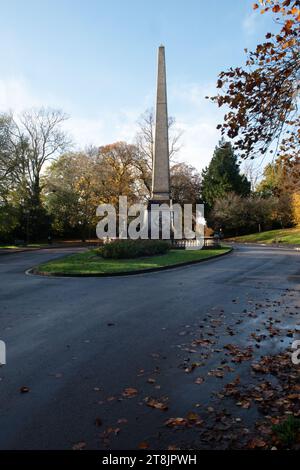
(289, 236)
(90, 263)
(21, 247)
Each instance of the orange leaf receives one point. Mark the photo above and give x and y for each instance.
(276, 8)
(154, 403)
(130, 392)
(144, 445)
(172, 422)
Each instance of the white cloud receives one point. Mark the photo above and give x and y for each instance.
(199, 141)
(195, 115)
(85, 131)
(250, 23)
(15, 95)
(198, 118)
(192, 93)
(102, 130)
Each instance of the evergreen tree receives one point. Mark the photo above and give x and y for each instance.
(223, 176)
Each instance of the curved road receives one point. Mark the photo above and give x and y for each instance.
(78, 343)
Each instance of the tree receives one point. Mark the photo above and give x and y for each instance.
(223, 176)
(227, 213)
(119, 174)
(259, 213)
(237, 215)
(144, 143)
(41, 130)
(252, 173)
(31, 140)
(276, 182)
(296, 208)
(7, 156)
(263, 96)
(70, 194)
(272, 183)
(185, 184)
(76, 183)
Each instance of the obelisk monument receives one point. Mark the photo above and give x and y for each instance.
(160, 164)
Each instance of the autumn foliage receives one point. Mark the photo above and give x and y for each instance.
(263, 97)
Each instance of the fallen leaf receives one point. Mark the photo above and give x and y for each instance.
(122, 421)
(154, 403)
(256, 442)
(194, 418)
(173, 422)
(216, 373)
(199, 380)
(130, 392)
(151, 381)
(79, 446)
(143, 445)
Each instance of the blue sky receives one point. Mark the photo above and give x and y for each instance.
(96, 59)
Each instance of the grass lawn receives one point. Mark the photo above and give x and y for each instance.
(9, 247)
(285, 236)
(91, 263)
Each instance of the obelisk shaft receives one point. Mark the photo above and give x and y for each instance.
(161, 170)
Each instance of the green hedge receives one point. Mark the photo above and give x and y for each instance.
(125, 249)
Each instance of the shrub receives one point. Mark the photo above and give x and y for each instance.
(124, 249)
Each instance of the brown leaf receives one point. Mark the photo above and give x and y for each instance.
(173, 422)
(199, 380)
(256, 443)
(244, 404)
(122, 421)
(216, 373)
(154, 403)
(194, 418)
(151, 381)
(276, 8)
(143, 445)
(130, 392)
(79, 446)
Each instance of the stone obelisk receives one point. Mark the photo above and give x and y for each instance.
(160, 167)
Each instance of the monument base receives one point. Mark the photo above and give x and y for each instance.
(160, 217)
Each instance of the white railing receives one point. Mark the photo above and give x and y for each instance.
(209, 242)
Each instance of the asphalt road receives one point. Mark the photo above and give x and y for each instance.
(78, 343)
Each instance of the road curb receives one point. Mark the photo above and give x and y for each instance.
(34, 271)
(268, 245)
